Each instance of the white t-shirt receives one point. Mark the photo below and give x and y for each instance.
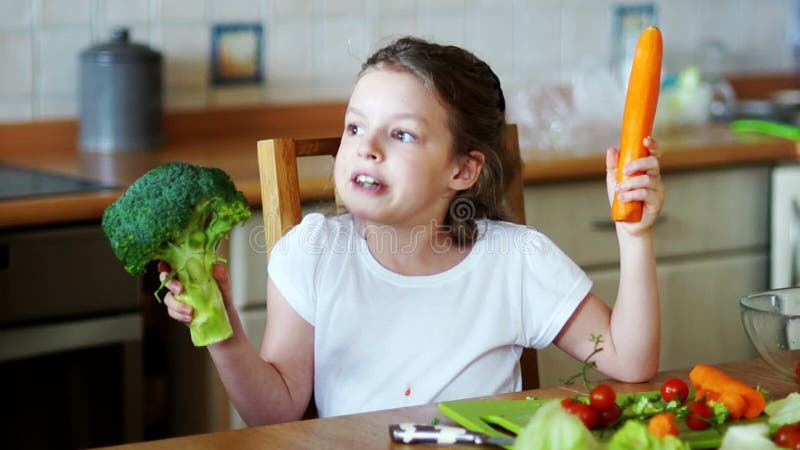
(385, 340)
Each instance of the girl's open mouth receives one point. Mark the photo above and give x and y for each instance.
(367, 182)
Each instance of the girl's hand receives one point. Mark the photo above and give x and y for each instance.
(646, 187)
(181, 311)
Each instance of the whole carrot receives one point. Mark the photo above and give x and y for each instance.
(639, 114)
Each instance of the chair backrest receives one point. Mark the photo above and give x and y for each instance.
(281, 202)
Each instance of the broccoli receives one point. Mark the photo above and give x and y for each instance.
(179, 213)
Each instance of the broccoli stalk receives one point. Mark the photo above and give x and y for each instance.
(194, 252)
(179, 213)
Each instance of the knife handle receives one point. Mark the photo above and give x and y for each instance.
(410, 433)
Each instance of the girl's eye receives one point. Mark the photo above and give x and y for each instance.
(404, 136)
(354, 130)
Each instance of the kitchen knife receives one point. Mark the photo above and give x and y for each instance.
(410, 433)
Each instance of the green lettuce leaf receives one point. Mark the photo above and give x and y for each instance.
(552, 428)
(752, 436)
(634, 436)
(783, 411)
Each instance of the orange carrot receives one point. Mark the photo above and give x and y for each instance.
(640, 112)
(662, 424)
(739, 397)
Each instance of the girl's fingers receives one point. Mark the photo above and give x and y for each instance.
(612, 156)
(224, 280)
(178, 310)
(172, 285)
(652, 146)
(644, 181)
(648, 165)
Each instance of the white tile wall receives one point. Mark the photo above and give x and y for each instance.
(231, 11)
(15, 13)
(59, 12)
(537, 42)
(179, 10)
(314, 48)
(339, 48)
(58, 59)
(124, 12)
(16, 71)
(290, 56)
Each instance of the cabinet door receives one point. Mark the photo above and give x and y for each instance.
(700, 321)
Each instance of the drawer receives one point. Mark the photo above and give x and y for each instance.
(704, 211)
(62, 273)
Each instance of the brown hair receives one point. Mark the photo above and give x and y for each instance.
(474, 99)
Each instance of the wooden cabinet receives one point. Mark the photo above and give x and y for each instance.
(711, 244)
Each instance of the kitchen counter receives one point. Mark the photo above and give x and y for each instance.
(227, 139)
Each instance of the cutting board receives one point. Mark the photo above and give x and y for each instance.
(493, 416)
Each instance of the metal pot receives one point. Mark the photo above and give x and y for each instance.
(120, 96)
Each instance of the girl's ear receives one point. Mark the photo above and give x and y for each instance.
(469, 169)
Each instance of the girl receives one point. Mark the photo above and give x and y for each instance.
(407, 300)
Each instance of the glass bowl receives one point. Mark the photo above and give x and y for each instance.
(771, 321)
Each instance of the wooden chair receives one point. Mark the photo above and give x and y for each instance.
(281, 202)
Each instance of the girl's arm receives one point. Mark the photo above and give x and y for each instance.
(631, 331)
(276, 385)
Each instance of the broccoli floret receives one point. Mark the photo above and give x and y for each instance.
(179, 213)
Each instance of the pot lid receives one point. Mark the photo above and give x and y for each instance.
(120, 49)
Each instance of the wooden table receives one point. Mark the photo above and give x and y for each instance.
(370, 430)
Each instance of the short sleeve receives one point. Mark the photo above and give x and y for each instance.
(293, 263)
(553, 287)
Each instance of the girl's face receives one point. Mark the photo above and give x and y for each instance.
(395, 164)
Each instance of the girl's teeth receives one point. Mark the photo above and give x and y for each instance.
(367, 181)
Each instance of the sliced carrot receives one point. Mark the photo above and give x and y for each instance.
(735, 402)
(639, 114)
(740, 398)
(663, 424)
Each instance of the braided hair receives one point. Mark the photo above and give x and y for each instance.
(475, 104)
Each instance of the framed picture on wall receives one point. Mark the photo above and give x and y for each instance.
(236, 53)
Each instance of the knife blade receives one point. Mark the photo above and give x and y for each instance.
(410, 433)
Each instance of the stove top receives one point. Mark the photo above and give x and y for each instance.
(22, 182)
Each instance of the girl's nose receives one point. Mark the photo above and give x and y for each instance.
(369, 148)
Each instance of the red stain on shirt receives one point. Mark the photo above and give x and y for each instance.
(408, 391)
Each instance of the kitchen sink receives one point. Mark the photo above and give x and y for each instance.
(23, 182)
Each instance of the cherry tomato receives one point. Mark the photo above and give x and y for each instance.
(797, 370)
(699, 415)
(610, 415)
(568, 404)
(787, 436)
(588, 415)
(602, 397)
(674, 388)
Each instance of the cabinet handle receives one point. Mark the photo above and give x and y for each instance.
(610, 225)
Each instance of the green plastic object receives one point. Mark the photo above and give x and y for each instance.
(768, 127)
(501, 418)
